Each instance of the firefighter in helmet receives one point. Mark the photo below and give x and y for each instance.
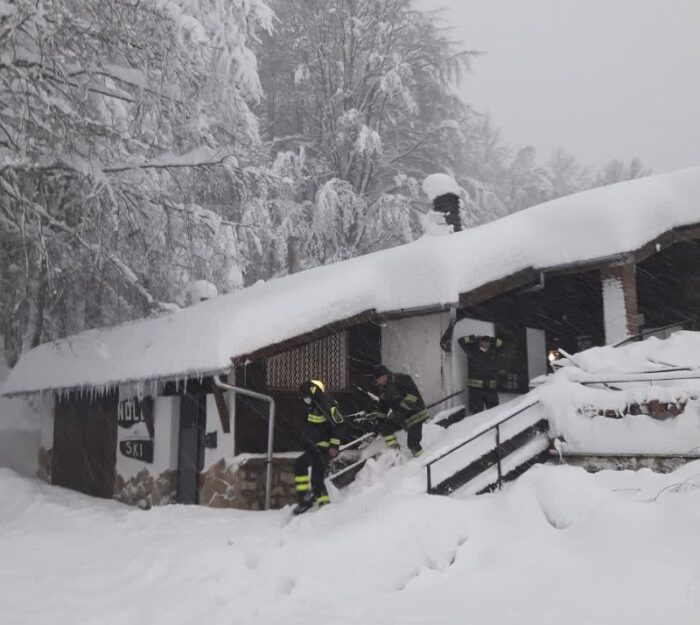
(320, 440)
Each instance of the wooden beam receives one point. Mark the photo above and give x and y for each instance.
(585, 266)
(526, 277)
(145, 406)
(222, 409)
(418, 311)
(676, 235)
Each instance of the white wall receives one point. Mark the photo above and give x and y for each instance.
(166, 422)
(225, 442)
(536, 352)
(166, 428)
(412, 345)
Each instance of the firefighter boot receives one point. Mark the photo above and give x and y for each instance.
(322, 500)
(306, 501)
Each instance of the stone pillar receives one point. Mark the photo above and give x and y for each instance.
(620, 309)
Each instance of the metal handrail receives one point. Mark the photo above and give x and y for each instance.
(649, 377)
(479, 434)
(270, 430)
(640, 336)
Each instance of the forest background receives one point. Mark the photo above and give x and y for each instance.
(146, 144)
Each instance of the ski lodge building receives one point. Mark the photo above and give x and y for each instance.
(133, 412)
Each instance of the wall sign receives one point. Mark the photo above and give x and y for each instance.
(132, 411)
(138, 448)
(129, 413)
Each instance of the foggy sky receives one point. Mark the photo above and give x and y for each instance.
(603, 79)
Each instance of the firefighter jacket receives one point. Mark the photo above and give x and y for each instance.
(483, 364)
(401, 396)
(323, 421)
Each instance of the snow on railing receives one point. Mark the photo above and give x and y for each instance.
(484, 449)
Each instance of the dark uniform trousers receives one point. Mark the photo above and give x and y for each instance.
(414, 433)
(321, 431)
(482, 399)
(315, 445)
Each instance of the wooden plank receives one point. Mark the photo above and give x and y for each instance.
(526, 277)
(222, 409)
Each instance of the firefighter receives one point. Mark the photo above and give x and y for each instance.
(399, 394)
(320, 440)
(482, 361)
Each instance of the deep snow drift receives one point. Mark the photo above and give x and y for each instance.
(666, 371)
(558, 546)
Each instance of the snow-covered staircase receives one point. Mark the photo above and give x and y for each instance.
(498, 451)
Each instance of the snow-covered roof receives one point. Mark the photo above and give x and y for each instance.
(428, 272)
(679, 351)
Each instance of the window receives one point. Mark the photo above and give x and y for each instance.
(324, 359)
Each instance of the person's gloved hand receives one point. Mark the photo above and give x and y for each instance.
(332, 452)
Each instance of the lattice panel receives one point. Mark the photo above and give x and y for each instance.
(324, 359)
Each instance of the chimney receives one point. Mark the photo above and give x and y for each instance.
(448, 204)
(443, 191)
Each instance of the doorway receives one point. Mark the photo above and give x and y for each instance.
(190, 456)
(85, 444)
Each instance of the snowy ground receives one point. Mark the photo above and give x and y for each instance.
(559, 545)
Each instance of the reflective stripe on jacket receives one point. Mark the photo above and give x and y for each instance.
(479, 383)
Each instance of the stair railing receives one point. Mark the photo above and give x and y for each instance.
(480, 432)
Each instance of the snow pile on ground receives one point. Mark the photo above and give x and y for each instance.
(680, 350)
(431, 271)
(573, 414)
(557, 546)
(623, 381)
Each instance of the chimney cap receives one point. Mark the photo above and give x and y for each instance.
(437, 185)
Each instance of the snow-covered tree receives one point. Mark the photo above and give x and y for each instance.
(112, 116)
(617, 171)
(360, 87)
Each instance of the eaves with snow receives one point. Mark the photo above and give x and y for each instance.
(428, 274)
